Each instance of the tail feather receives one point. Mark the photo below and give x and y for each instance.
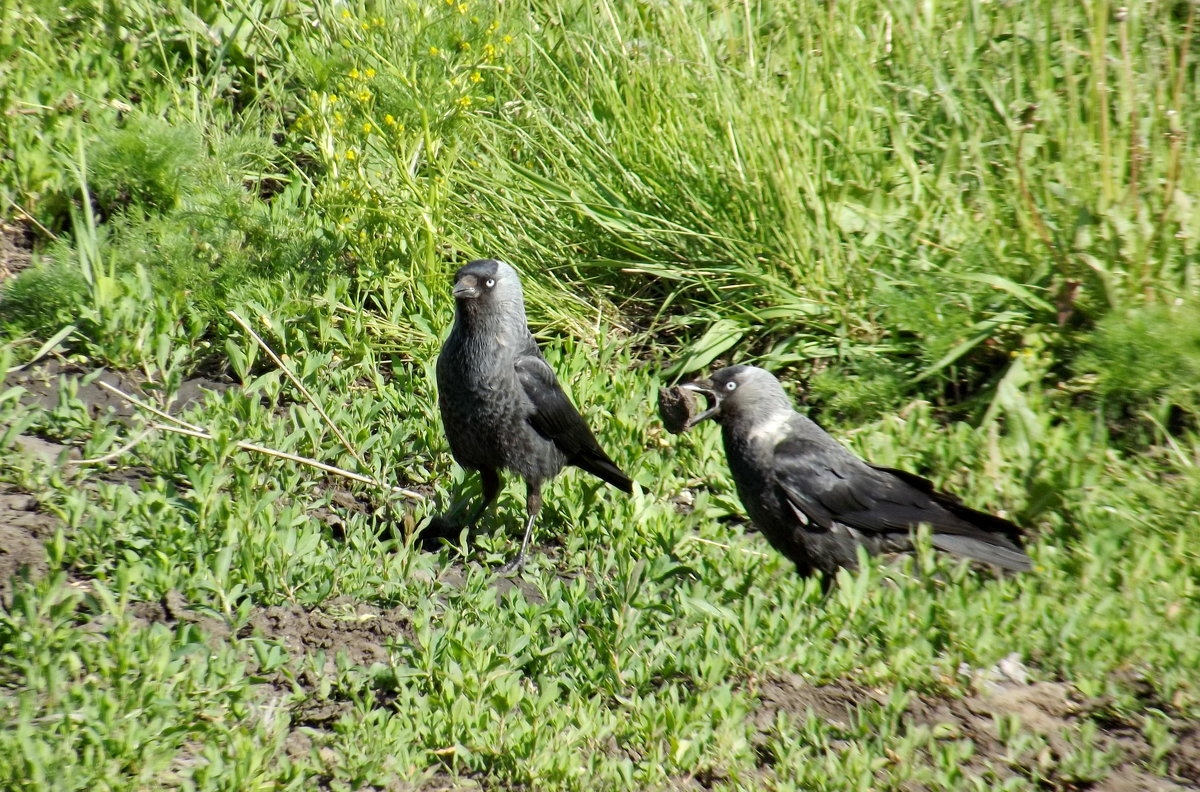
(999, 552)
(603, 467)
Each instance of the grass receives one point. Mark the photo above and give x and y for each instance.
(963, 234)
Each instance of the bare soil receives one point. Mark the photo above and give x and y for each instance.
(16, 244)
(42, 381)
(24, 527)
(1053, 710)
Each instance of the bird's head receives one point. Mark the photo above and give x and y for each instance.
(740, 392)
(486, 282)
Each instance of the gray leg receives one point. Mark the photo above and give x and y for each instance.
(533, 505)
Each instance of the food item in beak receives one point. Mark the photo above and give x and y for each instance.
(677, 407)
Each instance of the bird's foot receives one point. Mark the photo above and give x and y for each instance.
(514, 566)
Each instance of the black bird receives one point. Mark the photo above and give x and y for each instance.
(816, 501)
(501, 404)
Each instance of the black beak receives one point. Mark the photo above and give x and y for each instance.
(705, 388)
(466, 288)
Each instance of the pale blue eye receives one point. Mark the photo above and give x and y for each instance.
(490, 282)
(730, 385)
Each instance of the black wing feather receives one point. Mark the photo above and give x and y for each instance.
(988, 522)
(556, 419)
(828, 485)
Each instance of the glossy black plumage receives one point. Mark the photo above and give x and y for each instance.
(817, 502)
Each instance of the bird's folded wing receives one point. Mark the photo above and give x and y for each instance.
(817, 491)
(828, 485)
(554, 417)
(985, 521)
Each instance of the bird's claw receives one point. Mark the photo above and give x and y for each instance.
(514, 566)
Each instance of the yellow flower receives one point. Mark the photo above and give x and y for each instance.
(367, 127)
(351, 155)
(489, 52)
(354, 74)
(332, 97)
(389, 119)
(434, 51)
(345, 13)
(464, 101)
(507, 39)
(364, 95)
(476, 77)
(370, 73)
(378, 21)
(462, 8)
(464, 46)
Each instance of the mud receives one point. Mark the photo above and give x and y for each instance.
(24, 527)
(1054, 711)
(341, 626)
(792, 695)
(677, 408)
(42, 382)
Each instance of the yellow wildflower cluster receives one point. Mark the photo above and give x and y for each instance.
(460, 49)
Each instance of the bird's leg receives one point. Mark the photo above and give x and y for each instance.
(533, 505)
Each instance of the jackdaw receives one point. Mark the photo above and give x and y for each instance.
(501, 403)
(816, 501)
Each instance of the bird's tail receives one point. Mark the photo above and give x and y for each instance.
(996, 551)
(603, 467)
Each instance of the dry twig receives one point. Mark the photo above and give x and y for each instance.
(191, 430)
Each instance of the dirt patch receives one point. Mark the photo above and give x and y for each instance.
(455, 576)
(1054, 711)
(24, 527)
(1184, 759)
(792, 695)
(338, 626)
(341, 626)
(42, 383)
(16, 244)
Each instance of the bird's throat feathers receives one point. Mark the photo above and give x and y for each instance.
(496, 316)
